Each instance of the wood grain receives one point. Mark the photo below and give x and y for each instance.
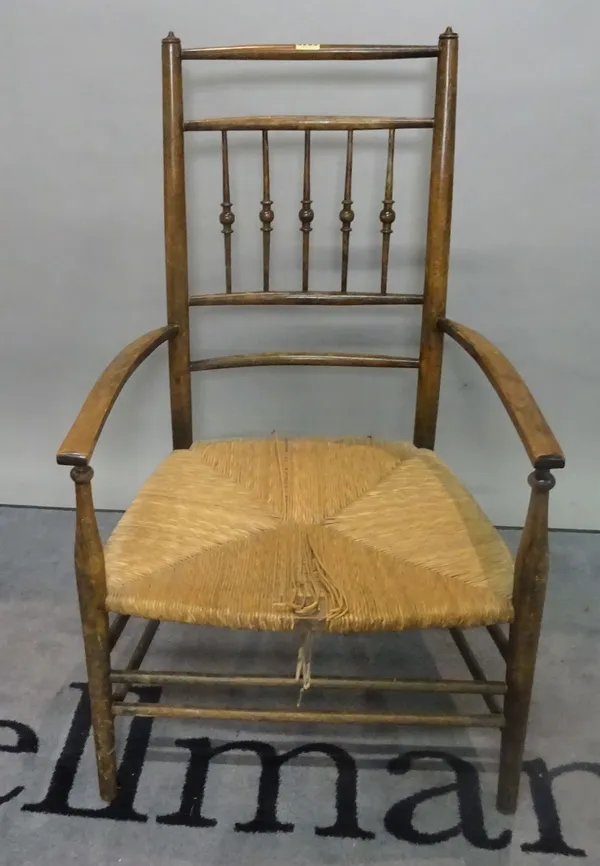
(323, 52)
(266, 214)
(319, 299)
(537, 437)
(137, 657)
(473, 666)
(388, 214)
(531, 576)
(226, 217)
(305, 122)
(347, 214)
(454, 687)
(116, 628)
(306, 214)
(323, 359)
(176, 258)
(80, 441)
(500, 639)
(332, 717)
(91, 589)
(438, 242)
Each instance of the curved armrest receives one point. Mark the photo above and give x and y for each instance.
(80, 441)
(537, 437)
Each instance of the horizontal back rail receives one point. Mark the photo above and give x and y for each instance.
(304, 299)
(305, 122)
(304, 359)
(310, 52)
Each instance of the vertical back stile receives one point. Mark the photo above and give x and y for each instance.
(227, 217)
(266, 213)
(387, 215)
(346, 213)
(176, 260)
(438, 242)
(306, 214)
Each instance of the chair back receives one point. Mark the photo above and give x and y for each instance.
(432, 299)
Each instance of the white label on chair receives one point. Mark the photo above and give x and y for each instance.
(305, 46)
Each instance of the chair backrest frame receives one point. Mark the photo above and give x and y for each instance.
(433, 299)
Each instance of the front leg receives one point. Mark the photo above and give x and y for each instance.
(91, 588)
(531, 574)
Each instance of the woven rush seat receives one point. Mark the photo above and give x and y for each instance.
(351, 535)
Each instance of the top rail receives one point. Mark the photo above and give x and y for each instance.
(310, 52)
(306, 122)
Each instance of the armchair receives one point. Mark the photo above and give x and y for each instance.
(312, 535)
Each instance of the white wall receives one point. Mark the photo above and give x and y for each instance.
(81, 232)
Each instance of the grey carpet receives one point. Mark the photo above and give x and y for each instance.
(391, 806)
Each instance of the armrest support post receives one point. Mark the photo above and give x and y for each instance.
(531, 562)
(529, 593)
(89, 554)
(91, 589)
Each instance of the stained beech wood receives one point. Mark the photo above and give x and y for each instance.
(455, 687)
(176, 258)
(323, 359)
(137, 657)
(529, 592)
(266, 214)
(80, 441)
(438, 242)
(387, 215)
(91, 589)
(322, 52)
(306, 214)
(474, 668)
(332, 717)
(116, 628)
(227, 217)
(306, 122)
(347, 214)
(537, 437)
(334, 299)
(499, 638)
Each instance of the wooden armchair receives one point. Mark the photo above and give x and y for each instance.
(310, 534)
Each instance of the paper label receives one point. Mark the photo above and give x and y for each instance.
(305, 46)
